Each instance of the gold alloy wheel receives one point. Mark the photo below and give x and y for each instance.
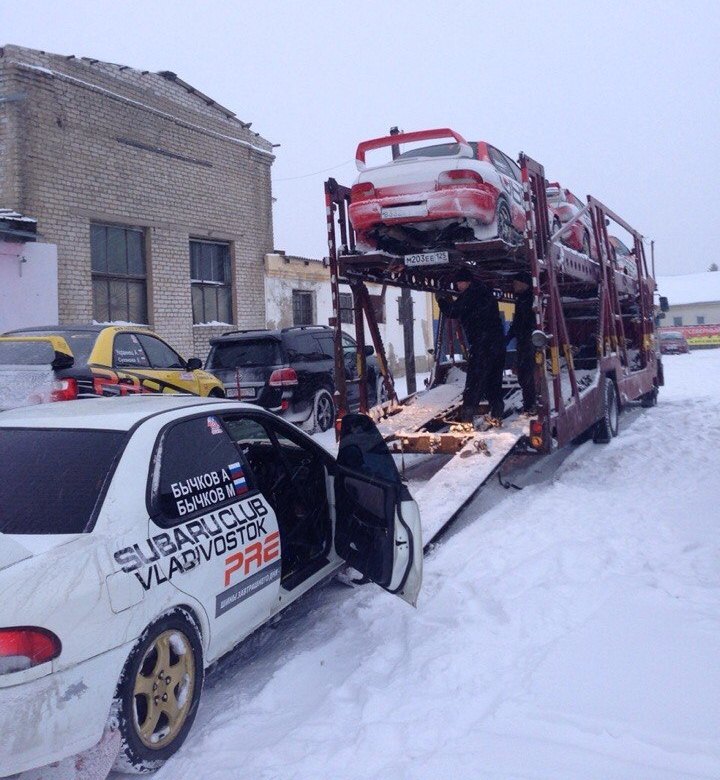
(164, 688)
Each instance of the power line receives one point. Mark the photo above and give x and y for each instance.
(314, 173)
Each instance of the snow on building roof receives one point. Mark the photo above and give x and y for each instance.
(690, 288)
(15, 217)
(131, 83)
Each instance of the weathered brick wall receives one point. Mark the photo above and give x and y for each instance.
(99, 143)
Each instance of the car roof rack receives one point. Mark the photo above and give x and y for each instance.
(305, 327)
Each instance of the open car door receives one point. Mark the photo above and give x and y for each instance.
(377, 525)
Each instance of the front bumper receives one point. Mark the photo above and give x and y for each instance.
(58, 715)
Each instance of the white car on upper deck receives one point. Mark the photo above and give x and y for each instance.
(141, 538)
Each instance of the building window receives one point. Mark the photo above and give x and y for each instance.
(378, 304)
(677, 320)
(117, 259)
(211, 282)
(346, 308)
(302, 307)
(700, 319)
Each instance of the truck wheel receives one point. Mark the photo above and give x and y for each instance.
(158, 693)
(649, 399)
(323, 411)
(607, 426)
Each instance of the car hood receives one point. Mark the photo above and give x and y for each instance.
(15, 548)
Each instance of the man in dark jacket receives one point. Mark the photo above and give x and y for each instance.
(521, 330)
(477, 309)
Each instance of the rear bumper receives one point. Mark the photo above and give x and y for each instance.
(58, 715)
(455, 203)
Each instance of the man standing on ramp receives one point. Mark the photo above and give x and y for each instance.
(477, 309)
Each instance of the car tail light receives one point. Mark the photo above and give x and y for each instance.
(25, 646)
(536, 434)
(284, 405)
(283, 377)
(362, 191)
(460, 178)
(64, 390)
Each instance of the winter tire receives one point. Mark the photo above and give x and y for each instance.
(607, 426)
(504, 222)
(323, 411)
(158, 693)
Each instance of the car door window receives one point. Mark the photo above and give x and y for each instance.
(128, 352)
(514, 168)
(290, 473)
(499, 161)
(200, 469)
(160, 354)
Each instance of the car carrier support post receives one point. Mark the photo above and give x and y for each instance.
(340, 396)
(537, 236)
(360, 340)
(337, 199)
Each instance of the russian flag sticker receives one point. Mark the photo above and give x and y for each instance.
(238, 478)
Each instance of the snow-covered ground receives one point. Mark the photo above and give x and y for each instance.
(572, 630)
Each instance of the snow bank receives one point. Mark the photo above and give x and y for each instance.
(572, 631)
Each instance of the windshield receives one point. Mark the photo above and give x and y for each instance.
(80, 342)
(671, 335)
(51, 480)
(251, 352)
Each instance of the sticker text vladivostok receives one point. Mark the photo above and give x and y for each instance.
(239, 527)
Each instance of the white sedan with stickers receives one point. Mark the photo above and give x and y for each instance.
(143, 538)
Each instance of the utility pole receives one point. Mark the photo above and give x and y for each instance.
(405, 311)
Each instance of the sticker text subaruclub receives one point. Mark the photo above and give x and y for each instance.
(162, 556)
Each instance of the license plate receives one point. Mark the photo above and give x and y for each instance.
(428, 258)
(398, 212)
(247, 392)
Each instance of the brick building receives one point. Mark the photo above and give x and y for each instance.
(157, 197)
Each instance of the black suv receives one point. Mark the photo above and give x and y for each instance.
(290, 371)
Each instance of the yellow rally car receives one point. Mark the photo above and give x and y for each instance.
(81, 361)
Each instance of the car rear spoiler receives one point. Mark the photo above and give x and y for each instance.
(405, 138)
(63, 358)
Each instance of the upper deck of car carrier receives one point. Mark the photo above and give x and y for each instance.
(594, 331)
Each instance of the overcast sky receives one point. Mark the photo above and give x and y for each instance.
(616, 99)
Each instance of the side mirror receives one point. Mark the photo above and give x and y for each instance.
(664, 305)
(194, 364)
(369, 350)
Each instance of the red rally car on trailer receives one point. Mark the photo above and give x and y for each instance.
(435, 194)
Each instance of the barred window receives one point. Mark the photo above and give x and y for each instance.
(346, 308)
(117, 259)
(211, 282)
(302, 307)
